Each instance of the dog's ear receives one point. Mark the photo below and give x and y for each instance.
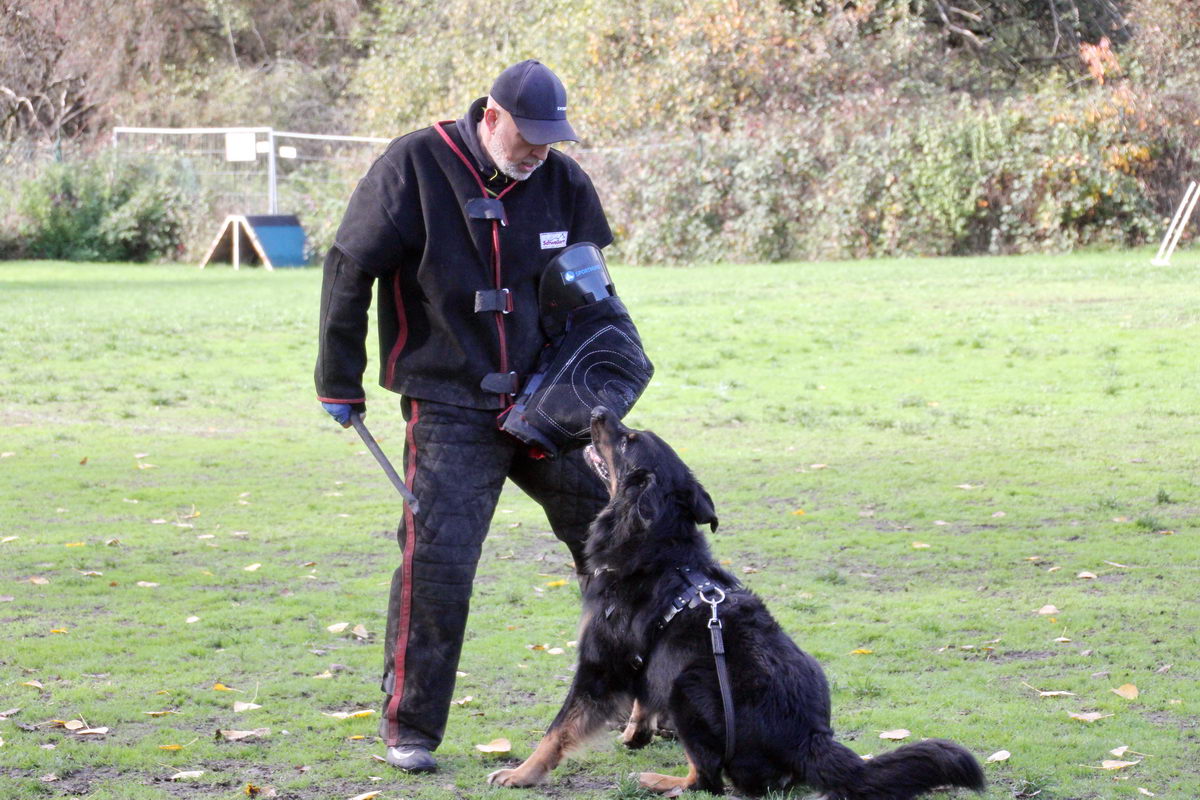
(638, 488)
(703, 510)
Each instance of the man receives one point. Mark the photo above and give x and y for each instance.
(456, 223)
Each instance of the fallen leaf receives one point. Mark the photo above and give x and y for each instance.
(239, 706)
(38, 580)
(92, 732)
(9, 713)
(862, 651)
(34, 684)
(58, 630)
(171, 747)
(238, 736)
(75, 544)
(495, 746)
(49, 778)
(74, 725)
(252, 567)
(557, 583)
(555, 651)
(1119, 751)
(1089, 716)
(1146, 792)
(338, 627)
(1164, 669)
(1128, 691)
(999, 755)
(187, 775)
(1049, 694)
(325, 674)
(896, 735)
(159, 713)
(360, 631)
(1109, 764)
(920, 546)
(965, 486)
(1115, 564)
(366, 796)
(91, 573)
(192, 619)
(220, 687)
(1048, 610)
(463, 701)
(260, 791)
(147, 584)
(8, 539)
(366, 712)
(1062, 640)
(1089, 576)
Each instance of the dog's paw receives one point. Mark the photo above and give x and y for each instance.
(514, 778)
(664, 785)
(636, 737)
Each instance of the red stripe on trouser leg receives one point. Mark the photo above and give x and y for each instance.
(400, 647)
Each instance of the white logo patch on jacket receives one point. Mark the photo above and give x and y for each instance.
(553, 240)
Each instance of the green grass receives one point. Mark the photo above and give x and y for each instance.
(1026, 418)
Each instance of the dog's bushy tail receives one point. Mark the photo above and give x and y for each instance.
(900, 774)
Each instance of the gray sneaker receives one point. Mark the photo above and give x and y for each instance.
(411, 758)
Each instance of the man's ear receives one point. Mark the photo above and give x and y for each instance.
(703, 510)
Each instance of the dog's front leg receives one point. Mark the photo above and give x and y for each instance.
(640, 729)
(589, 705)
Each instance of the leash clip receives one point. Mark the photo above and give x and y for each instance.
(715, 622)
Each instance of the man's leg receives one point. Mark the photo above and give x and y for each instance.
(455, 462)
(569, 492)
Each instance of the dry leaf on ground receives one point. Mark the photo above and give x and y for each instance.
(365, 796)
(999, 755)
(896, 735)
(1048, 609)
(498, 746)
(1089, 716)
(365, 712)
(187, 775)
(1127, 690)
(239, 706)
(238, 736)
(338, 627)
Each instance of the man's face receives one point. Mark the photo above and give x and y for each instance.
(514, 156)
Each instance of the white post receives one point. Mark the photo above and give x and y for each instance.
(272, 188)
(1178, 223)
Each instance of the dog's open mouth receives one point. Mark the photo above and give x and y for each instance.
(597, 463)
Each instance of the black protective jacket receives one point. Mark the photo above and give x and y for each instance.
(407, 226)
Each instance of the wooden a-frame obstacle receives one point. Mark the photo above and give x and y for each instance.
(273, 240)
(1178, 222)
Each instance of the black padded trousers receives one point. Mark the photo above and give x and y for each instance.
(456, 461)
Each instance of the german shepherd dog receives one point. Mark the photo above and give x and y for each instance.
(646, 638)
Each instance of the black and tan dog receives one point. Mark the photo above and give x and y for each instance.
(646, 638)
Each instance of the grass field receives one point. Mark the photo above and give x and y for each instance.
(910, 460)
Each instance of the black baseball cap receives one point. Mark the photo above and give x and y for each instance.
(537, 100)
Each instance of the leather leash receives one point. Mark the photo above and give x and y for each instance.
(718, 648)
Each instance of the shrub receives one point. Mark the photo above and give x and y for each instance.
(101, 210)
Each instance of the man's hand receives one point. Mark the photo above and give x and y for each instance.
(341, 412)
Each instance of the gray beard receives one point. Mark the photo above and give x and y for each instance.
(509, 168)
